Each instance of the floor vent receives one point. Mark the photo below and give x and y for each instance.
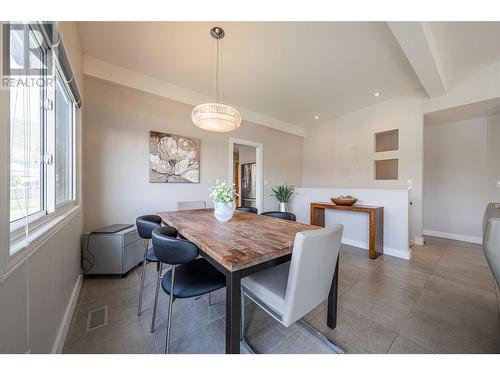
(97, 318)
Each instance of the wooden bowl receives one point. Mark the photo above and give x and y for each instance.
(344, 202)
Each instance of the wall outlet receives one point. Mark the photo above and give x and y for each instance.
(409, 183)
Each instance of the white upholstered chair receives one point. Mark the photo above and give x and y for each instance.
(289, 291)
(191, 205)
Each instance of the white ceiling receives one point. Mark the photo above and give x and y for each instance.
(287, 70)
(479, 109)
(290, 71)
(465, 46)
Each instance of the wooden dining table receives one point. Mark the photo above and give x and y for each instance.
(246, 244)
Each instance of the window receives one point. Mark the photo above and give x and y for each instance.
(27, 58)
(64, 143)
(42, 117)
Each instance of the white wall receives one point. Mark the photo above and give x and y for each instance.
(481, 85)
(35, 296)
(394, 201)
(340, 153)
(461, 167)
(246, 154)
(118, 120)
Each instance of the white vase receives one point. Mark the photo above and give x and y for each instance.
(224, 211)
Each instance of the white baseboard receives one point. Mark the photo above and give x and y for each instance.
(387, 250)
(68, 314)
(453, 236)
(361, 245)
(419, 241)
(398, 253)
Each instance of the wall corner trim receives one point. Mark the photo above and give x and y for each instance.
(58, 345)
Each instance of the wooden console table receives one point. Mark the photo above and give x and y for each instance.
(376, 226)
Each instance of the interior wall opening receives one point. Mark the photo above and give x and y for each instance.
(461, 171)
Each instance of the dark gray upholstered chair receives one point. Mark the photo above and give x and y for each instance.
(281, 215)
(145, 226)
(189, 276)
(252, 210)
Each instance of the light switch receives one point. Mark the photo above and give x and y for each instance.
(265, 182)
(498, 184)
(409, 183)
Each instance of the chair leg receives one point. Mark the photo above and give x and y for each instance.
(141, 288)
(170, 304)
(158, 280)
(251, 349)
(209, 299)
(242, 322)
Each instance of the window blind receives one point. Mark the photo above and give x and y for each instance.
(53, 40)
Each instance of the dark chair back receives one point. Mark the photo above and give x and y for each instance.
(281, 215)
(171, 250)
(253, 210)
(146, 224)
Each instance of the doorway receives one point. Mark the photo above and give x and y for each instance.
(461, 170)
(246, 172)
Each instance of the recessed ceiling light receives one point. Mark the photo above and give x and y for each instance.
(316, 117)
(377, 93)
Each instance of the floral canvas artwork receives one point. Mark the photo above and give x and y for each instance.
(173, 158)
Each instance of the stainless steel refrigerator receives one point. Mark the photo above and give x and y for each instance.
(248, 185)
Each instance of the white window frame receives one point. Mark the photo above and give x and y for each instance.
(14, 249)
(58, 74)
(4, 168)
(18, 223)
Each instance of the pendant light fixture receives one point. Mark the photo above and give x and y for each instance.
(216, 116)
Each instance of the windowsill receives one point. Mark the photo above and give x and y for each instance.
(21, 249)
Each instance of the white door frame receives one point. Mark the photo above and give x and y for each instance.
(259, 166)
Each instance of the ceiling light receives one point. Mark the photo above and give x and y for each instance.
(316, 117)
(216, 116)
(377, 93)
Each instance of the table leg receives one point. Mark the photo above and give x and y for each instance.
(233, 312)
(331, 319)
(317, 216)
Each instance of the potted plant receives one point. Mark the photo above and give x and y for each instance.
(223, 196)
(283, 194)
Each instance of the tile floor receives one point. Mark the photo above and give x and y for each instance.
(443, 301)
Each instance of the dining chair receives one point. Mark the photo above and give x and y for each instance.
(145, 226)
(188, 277)
(290, 290)
(281, 215)
(252, 210)
(191, 205)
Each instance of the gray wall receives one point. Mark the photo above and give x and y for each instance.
(34, 298)
(461, 167)
(117, 124)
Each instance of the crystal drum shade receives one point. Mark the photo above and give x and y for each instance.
(216, 117)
